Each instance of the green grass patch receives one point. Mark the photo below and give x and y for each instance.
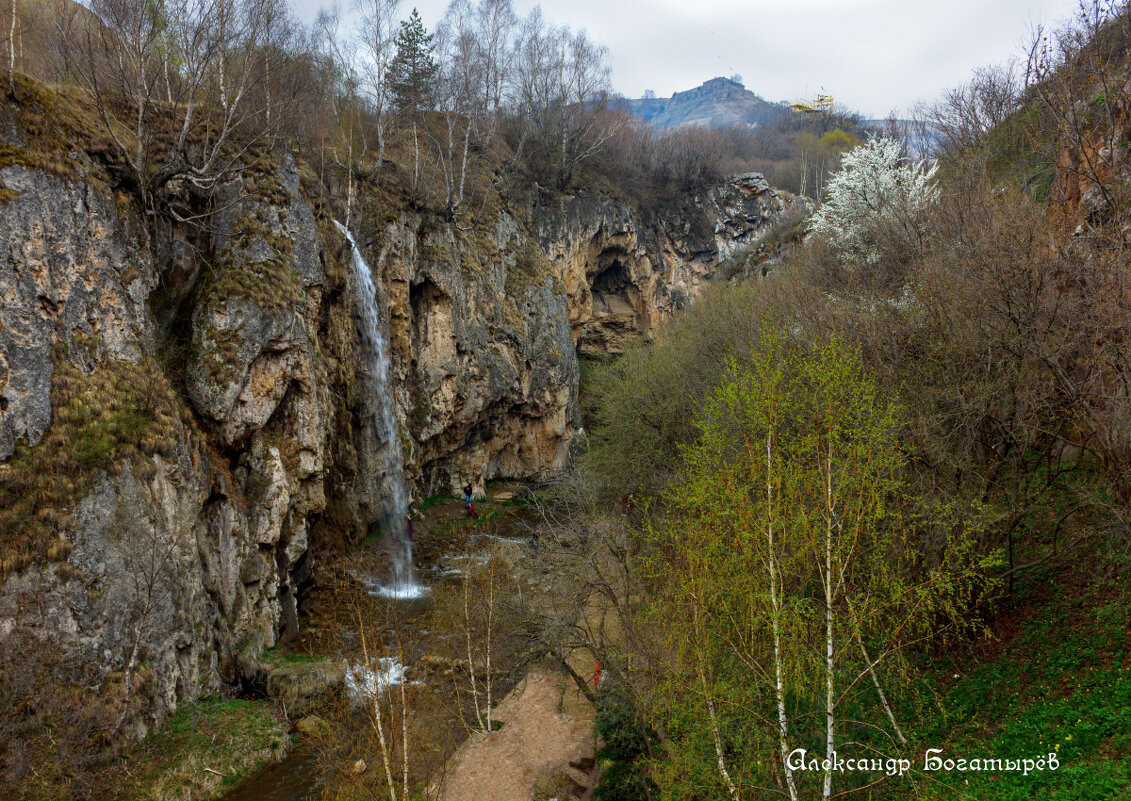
(432, 500)
(489, 511)
(233, 737)
(463, 525)
(276, 656)
(1061, 685)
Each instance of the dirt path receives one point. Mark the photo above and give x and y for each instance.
(547, 725)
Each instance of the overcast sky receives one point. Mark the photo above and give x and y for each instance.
(871, 55)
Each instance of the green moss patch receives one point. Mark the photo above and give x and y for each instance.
(432, 500)
(272, 284)
(530, 269)
(261, 181)
(278, 657)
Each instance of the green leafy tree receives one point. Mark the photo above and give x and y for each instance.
(790, 563)
(414, 71)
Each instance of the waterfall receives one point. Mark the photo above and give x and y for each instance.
(375, 352)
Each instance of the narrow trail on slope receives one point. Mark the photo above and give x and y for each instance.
(547, 731)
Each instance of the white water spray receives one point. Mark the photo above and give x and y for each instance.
(363, 682)
(376, 354)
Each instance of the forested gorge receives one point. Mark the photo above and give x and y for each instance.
(851, 484)
(904, 442)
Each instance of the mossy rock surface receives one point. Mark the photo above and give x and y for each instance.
(53, 129)
(116, 413)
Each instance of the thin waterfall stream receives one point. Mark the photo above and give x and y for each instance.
(375, 347)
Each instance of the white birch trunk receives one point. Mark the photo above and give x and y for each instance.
(12, 51)
(490, 621)
(880, 692)
(349, 184)
(779, 689)
(131, 663)
(375, 708)
(404, 722)
(470, 663)
(713, 718)
(731, 789)
(830, 720)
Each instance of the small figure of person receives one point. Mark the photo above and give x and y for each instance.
(470, 510)
(597, 674)
(628, 501)
(467, 497)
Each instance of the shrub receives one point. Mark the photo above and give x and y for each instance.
(875, 196)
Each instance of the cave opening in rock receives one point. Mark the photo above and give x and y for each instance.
(612, 280)
(424, 295)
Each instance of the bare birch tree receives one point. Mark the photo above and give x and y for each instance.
(462, 81)
(12, 49)
(378, 31)
(182, 88)
(350, 144)
(150, 549)
(559, 88)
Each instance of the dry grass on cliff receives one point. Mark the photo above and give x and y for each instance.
(52, 125)
(117, 413)
(52, 732)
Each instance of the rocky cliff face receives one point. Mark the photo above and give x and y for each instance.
(487, 373)
(182, 424)
(626, 273)
(486, 329)
(147, 533)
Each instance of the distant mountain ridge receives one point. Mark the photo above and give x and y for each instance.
(717, 103)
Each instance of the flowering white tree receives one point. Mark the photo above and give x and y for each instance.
(876, 193)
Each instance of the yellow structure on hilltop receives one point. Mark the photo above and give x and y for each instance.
(823, 103)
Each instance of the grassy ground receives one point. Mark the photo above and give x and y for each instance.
(444, 518)
(278, 657)
(203, 752)
(1057, 680)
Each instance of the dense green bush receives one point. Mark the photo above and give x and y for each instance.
(625, 750)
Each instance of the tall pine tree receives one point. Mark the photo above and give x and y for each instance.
(413, 72)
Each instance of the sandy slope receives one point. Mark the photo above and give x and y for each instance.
(546, 725)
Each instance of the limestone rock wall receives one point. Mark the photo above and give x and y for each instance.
(486, 328)
(626, 272)
(71, 265)
(195, 458)
(486, 371)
